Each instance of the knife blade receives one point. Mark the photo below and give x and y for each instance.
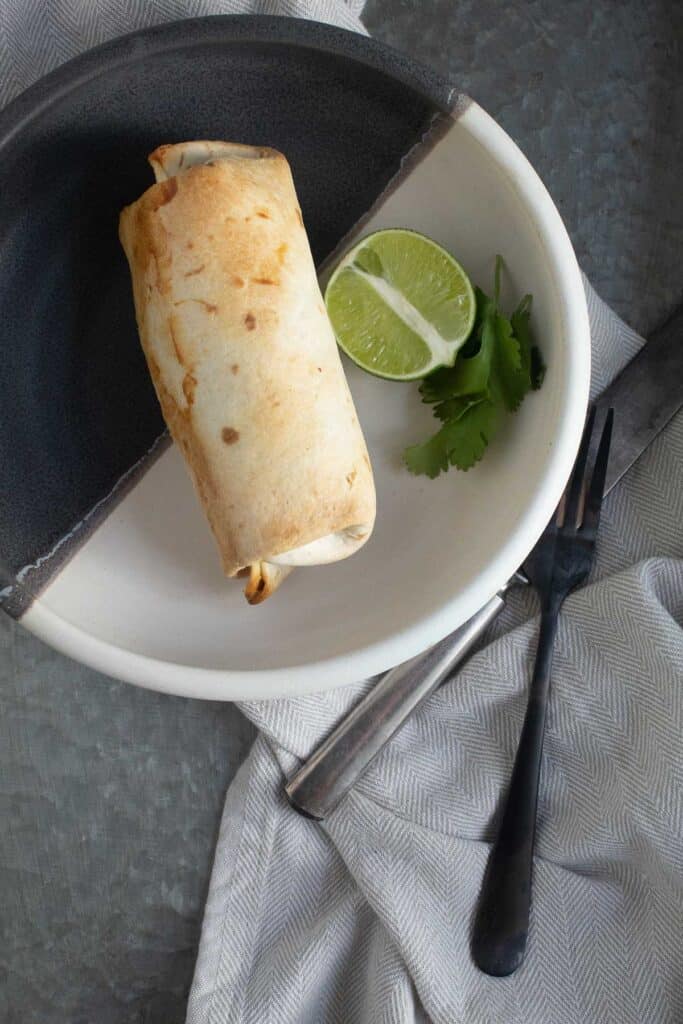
(645, 396)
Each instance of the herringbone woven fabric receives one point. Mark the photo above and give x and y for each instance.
(365, 920)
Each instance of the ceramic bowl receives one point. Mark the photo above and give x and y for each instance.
(105, 553)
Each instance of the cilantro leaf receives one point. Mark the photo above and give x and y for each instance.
(494, 370)
(454, 408)
(438, 386)
(522, 315)
(531, 355)
(521, 328)
(483, 308)
(470, 374)
(538, 368)
(460, 442)
(471, 434)
(429, 458)
(497, 274)
(513, 374)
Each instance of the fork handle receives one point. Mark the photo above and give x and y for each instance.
(502, 921)
(338, 763)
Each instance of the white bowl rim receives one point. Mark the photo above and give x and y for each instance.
(258, 684)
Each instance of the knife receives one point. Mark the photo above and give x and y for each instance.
(645, 396)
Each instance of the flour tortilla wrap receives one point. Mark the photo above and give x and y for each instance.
(244, 360)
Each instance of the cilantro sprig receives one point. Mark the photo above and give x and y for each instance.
(494, 370)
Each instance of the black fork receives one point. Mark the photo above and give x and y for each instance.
(560, 562)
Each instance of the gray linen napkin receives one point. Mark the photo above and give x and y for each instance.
(366, 918)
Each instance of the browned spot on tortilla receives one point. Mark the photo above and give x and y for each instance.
(250, 321)
(197, 270)
(230, 435)
(164, 193)
(158, 253)
(241, 573)
(210, 163)
(154, 371)
(190, 245)
(263, 214)
(235, 368)
(189, 387)
(238, 281)
(160, 152)
(264, 280)
(282, 252)
(298, 213)
(208, 306)
(176, 344)
(320, 369)
(161, 279)
(179, 421)
(350, 477)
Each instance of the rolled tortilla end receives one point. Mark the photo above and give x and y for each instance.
(264, 580)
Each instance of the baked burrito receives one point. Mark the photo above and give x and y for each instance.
(244, 360)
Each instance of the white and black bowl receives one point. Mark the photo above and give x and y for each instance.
(104, 552)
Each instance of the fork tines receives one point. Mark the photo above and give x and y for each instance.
(582, 499)
(593, 504)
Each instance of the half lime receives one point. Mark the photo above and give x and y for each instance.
(400, 305)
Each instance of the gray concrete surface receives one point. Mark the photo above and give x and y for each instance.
(593, 94)
(109, 796)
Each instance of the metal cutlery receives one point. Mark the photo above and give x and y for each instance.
(559, 563)
(341, 759)
(646, 395)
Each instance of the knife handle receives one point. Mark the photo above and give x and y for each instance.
(340, 760)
